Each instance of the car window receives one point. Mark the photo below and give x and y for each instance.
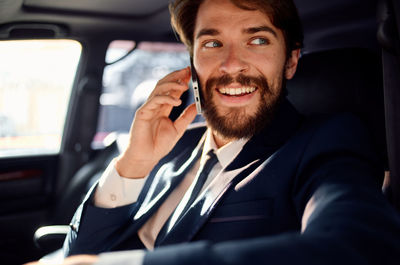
(128, 82)
(36, 77)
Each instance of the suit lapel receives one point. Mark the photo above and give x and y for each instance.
(165, 180)
(248, 163)
(191, 221)
(160, 184)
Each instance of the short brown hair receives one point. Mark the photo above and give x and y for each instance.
(283, 15)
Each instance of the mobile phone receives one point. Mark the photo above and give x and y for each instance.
(196, 88)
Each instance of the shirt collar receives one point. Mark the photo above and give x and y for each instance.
(226, 153)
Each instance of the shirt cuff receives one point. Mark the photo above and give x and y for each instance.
(131, 257)
(115, 191)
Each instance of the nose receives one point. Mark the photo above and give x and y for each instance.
(233, 61)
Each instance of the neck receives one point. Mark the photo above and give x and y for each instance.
(219, 140)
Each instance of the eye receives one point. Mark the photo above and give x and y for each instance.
(259, 41)
(212, 44)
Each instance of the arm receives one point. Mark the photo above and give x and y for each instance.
(340, 228)
(345, 218)
(152, 136)
(336, 192)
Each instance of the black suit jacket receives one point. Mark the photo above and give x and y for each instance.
(298, 190)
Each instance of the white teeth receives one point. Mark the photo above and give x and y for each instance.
(236, 91)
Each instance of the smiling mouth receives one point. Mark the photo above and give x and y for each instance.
(236, 91)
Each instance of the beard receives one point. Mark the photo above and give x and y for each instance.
(235, 122)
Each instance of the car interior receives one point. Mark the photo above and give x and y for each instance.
(350, 63)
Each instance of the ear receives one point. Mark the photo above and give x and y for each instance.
(291, 64)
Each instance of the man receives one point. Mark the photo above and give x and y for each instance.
(283, 190)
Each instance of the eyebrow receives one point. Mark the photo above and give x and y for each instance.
(209, 32)
(252, 30)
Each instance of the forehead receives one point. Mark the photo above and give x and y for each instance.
(221, 14)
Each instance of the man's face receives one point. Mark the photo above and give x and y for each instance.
(240, 58)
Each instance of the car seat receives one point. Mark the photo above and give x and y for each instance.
(342, 80)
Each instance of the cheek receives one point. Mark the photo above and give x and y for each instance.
(276, 83)
(204, 70)
(273, 67)
(204, 67)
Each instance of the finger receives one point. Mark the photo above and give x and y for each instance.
(161, 104)
(170, 88)
(157, 101)
(180, 86)
(179, 75)
(165, 90)
(178, 79)
(183, 121)
(81, 260)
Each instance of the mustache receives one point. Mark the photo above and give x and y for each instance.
(260, 82)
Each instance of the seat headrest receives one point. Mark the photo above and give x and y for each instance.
(343, 80)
